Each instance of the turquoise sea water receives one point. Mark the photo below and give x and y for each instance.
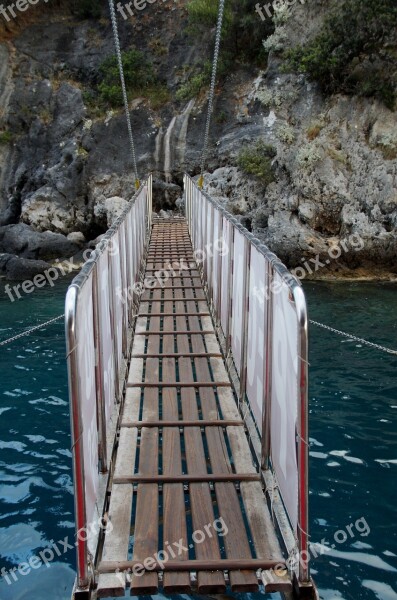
(353, 417)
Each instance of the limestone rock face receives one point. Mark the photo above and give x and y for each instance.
(77, 238)
(15, 268)
(68, 168)
(25, 242)
(110, 209)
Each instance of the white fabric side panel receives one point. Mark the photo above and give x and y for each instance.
(106, 347)
(238, 297)
(196, 222)
(138, 217)
(123, 266)
(129, 256)
(143, 196)
(216, 260)
(257, 327)
(209, 245)
(284, 400)
(225, 299)
(118, 302)
(134, 244)
(87, 390)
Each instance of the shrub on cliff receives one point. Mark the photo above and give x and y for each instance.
(256, 159)
(140, 80)
(354, 52)
(243, 30)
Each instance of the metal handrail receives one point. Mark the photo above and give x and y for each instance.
(302, 439)
(71, 303)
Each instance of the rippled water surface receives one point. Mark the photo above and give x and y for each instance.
(353, 449)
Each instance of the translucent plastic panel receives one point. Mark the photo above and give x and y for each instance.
(238, 297)
(257, 334)
(117, 295)
(216, 261)
(105, 327)
(225, 296)
(86, 362)
(284, 412)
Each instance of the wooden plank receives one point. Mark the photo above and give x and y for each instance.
(190, 478)
(187, 332)
(258, 515)
(197, 340)
(120, 508)
(174, 516)
(216, 565)
(173, 314)
(116, 543)
(180, 424)
(147, 517)
(200, 498)
(152, 376)
(178, 354)
(180, 384)
(236, 541)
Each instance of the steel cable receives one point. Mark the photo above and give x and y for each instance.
(211, 97)
(123, 89)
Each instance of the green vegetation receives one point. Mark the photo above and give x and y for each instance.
(6, 137)
(243, 30)
(195, 83)
(255, 159)
(221, 117)
(140, 80)
(354, 52)
(138, 72)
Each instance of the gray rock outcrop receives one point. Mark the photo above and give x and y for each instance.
(68, 168)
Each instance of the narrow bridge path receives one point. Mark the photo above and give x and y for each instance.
(184, 484)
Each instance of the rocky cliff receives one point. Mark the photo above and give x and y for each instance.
(65, 166)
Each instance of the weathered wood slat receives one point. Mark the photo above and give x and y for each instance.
(182, 424)
(175, 529)
(236, 540)
(180, 384)
(120, 508)
(147, 515)
(259, 519)
(215, 566)
(200, 498)
(179, 354)
(190, 478)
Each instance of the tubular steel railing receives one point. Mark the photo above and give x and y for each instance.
(99, 306)
(260, 310)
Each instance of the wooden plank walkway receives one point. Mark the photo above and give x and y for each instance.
(184, 482)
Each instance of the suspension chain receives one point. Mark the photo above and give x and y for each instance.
(29, 331)
(221, 11)
(355, 338)
(123, 89)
